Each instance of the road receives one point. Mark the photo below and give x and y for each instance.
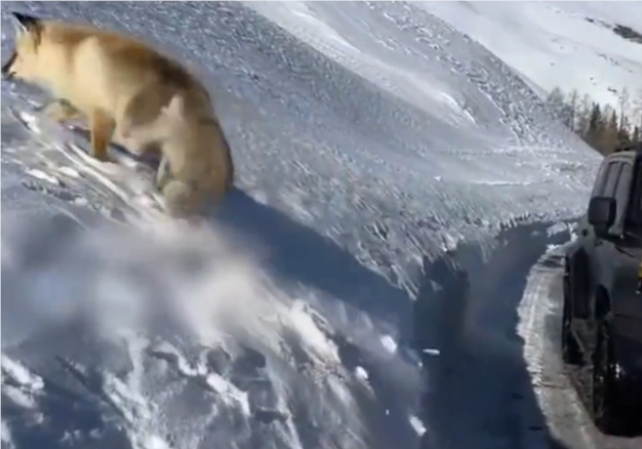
(557, 390)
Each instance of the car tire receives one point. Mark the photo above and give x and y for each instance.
(571, 353)
(611, 413)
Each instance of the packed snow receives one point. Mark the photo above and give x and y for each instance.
(396, 183)
(570, 45)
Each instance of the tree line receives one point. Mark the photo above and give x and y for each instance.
(602, 126)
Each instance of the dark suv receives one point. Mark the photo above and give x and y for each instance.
(602, 313)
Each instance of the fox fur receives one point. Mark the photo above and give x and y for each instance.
(119, 83)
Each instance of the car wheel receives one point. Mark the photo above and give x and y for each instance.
(610, 413)
(571, 353)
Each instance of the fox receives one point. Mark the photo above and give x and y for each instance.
(116, 82)
(196, 164)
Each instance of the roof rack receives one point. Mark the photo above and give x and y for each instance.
(628, 147)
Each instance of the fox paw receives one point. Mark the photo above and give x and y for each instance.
(106, 157)
(60, 111)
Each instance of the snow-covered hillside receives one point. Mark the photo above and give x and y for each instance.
(571, 45)
(396, 183)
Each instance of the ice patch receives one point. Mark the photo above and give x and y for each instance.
(39, 174)
(20, 374)
(5, 436)
(431, 351)
(69, 171)
(417, 425)
(389, 343)
(229, 393)
(300, 320)
(361, 373)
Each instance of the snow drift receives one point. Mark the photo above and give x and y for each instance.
(396, 182)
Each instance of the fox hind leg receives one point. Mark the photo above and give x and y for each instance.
(137, 121)
(102, 128)
(140, 111)
(182, 199)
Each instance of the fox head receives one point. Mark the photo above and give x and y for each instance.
(24, 63)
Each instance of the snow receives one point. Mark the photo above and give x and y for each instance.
(393, 175)
(570, 45)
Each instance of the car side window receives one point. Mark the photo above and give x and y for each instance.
(622, 190)
(612, 175)
(600, 178)
(635, 202)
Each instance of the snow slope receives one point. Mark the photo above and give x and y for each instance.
(396, 183)
(557, 44)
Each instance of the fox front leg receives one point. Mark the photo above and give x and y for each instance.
(102, 128)
(163, 173)
(60, 111)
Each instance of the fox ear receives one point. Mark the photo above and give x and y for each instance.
(26, 23)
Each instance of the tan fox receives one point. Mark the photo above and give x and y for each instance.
(196, 163)
(117, 82)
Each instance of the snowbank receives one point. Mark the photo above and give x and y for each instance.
(370, 139)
